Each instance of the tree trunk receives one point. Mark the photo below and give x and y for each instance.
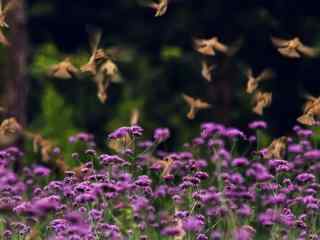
(16, 83)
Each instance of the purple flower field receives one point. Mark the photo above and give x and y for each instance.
(221, 185)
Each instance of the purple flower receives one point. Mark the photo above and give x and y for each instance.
(258, 125)
(209, 129)
(233, 133)
(193, 224)
(239, 162)
(161, 134)
(245, 232)
(41, 171)
(312, 154)
(305, 177)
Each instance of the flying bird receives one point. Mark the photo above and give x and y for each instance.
(63, 70)
(311, 110)
(135, 116)
(293, 48)
(160, 8)
(96, 53)
(253, 82)
(209, 46)
(4, 11)
(261, 100)
(10, 131)
(276, 149)
(195, 105)
(206, 71)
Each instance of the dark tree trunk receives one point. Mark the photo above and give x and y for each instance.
(16, 83)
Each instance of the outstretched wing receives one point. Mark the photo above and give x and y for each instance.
(10, 6)
(307, 51)
(279, 42)
(289, 52)
(265, 75)
(188, 99)
(95, 35)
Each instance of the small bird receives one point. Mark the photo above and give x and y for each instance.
(261, 100)
(135, 116)
(96, 53)
(293, 48)
(253, 82)
(64, 69)
(311, 110)
(10, 132)
(206, 71)
(277, 148)
(160, 8)
(209, 46)
(5, 10)
(195, 105)
(166, 165)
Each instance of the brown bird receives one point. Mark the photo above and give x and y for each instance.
(277, 148)
(166, 165)
(209, 46)
(46, 148)
(63, 70)
(5, 10)
(107, 73)
(10, 132)
(253, 82)
(195, 105)
(261, 100)
(311, 110)
(135, 116)
(293, 48)
(161, 7)
(96, 53)
(206, 71)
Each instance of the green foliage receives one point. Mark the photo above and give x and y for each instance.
(56, 120)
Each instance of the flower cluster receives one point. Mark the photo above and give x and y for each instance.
(218, 187)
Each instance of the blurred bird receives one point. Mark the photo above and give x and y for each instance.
(5, 10)
(195, 105)
(161, 7)
(209, 46)
(63, 70)
(135, 116)
(276, 149)
(253, 82)
(10, 132)
(206, 71)
(293, 48)
(96, 53)
(166, 165)
(261, 100)
(311, 110)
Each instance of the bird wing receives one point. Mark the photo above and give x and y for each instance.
(279, 42)
(95, 35)
(307, 51)
(10, 6)
(220, 47)
(265, 75)
(289, 52)
(188, 99)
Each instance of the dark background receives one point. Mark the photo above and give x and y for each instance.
(159, 63)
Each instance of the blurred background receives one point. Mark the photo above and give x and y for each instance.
(157, 64)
